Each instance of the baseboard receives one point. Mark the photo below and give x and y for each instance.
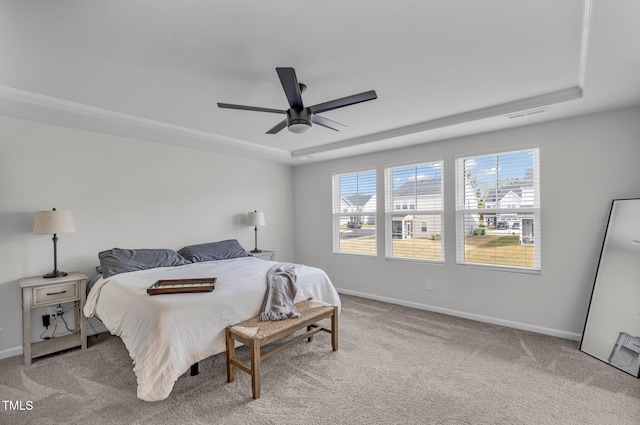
(17, 351)
(471, 316)
(11, 352)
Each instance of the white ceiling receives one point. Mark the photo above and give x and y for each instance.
(155, 69)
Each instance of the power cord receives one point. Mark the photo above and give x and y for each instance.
(55, 326)
(68, 330)
(42, 334)
(65, 323)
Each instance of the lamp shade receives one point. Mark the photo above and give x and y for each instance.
(52, 222)
(255, 218)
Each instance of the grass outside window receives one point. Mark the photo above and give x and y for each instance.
(503, 250)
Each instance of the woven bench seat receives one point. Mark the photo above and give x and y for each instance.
(254, 334)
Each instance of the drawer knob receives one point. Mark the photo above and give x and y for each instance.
(56, 293)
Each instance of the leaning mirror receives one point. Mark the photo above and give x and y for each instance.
(612, 328)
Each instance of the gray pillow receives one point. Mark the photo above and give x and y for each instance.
(213, 251)
(115, 261)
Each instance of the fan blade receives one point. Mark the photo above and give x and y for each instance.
(325, 122)
(282, 124)
(250, 108)
(344, 101)
(291, 86)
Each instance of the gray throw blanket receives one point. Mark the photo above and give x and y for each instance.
(281, 292)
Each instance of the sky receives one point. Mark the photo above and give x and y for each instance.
(486, 170)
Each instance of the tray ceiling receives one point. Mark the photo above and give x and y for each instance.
(155, 70)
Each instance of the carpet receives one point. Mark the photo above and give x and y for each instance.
(395, 365)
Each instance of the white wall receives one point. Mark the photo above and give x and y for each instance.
(585, 163)
(123, 193)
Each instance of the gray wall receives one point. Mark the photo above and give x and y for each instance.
(135, 194)
(123, 193)
(585, 163)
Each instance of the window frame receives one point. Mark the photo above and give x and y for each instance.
(462, 208)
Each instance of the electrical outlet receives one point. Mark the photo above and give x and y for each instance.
(428, 285)
(51, 310)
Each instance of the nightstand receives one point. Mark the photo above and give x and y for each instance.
(40, 292)
(264, 255)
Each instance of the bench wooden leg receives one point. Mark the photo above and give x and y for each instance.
(309, 329)
(231, 354)
(255, 368)
(334, 329)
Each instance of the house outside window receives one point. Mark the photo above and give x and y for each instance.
(354, 213)
(498, 210)
(414, 212)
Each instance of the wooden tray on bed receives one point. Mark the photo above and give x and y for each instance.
(180, 286)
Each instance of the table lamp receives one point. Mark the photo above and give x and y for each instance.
(255, 218)
(54, 222)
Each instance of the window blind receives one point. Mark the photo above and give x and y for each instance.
(354, 213)
(414, 211)
(498, 209)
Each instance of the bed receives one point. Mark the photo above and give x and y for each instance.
(166, 334)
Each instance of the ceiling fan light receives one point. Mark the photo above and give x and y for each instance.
(299, 121)
(299, 127)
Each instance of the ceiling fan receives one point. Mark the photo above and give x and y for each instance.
(299, 117)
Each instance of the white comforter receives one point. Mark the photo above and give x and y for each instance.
(166, 334)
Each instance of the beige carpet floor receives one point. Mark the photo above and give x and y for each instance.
(396, 365)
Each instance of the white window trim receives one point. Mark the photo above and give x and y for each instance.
(390, 211)
(336, 200)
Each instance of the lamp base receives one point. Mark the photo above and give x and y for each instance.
(256, 251)
(55, 273)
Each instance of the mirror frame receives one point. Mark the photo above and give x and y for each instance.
(595, 284)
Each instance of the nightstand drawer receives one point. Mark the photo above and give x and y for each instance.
(55, 294)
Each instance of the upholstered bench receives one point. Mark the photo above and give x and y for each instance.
(254, 334)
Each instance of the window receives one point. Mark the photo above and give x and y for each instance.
(414, 232)
(498, 209)
(354, 213)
